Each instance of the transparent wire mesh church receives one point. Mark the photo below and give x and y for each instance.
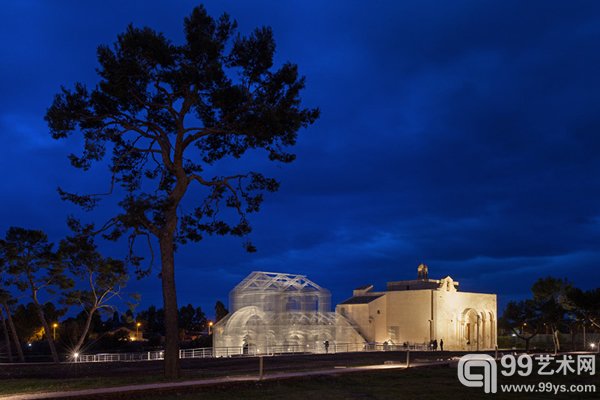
(280, 312)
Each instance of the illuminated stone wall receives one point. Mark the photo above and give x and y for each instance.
(422, 310)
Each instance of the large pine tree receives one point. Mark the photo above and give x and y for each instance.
(169, 113)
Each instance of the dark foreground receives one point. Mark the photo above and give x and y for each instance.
(436, 382)
(417, 383)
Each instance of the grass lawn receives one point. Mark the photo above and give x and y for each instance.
(415, 383)
(29, 385)
(38, 385)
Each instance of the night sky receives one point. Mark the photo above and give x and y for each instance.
(461, 134)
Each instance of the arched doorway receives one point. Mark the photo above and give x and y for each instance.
(256, 335)
(470, 335)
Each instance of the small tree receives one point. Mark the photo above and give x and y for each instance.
(169, 113)
(104, 277)
(35, 268)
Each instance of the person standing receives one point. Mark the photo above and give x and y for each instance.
(441, 344)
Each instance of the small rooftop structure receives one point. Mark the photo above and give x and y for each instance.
(423, 282)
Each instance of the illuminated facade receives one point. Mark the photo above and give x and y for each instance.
(278, 313)
(423, 310)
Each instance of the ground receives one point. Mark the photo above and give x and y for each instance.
(417, 383)
(439, 382)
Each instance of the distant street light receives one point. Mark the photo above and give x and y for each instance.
(210, 324)
(54, 326)
(137, 330)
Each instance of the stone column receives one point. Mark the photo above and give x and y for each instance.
(478, 336)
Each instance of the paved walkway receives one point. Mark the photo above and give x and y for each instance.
(205, 382)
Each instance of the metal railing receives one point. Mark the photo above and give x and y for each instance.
(240, 351)
(205, 352)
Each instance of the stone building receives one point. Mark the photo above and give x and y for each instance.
(422, 310)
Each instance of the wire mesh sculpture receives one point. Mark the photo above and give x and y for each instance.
(274, 312)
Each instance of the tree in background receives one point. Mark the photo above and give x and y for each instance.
(220, 311)
(128, 319)
(6, 337)
(104, 278)
(586, 304)
(72, 329)
(522, 318)
(115, 321)
(549, 308)
(35, 268)
(550, 296)
(169, 113)
(6, 300)
(27, 321)
(152, 320)
(192, 319)
(8, 326)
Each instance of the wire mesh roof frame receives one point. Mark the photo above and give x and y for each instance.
(278, 292)
(260, 280)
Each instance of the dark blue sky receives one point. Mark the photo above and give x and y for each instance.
(461, 134)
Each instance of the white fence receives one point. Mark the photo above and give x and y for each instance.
(205, 352)
(209, 352)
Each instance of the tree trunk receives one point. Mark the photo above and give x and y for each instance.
(572, 339)
(6, 338)
(13, 330)
(46, 327)
(170, 305)
(556, 341)
(86, 329)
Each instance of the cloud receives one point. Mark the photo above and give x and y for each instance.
(460, 134)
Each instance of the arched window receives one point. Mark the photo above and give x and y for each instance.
(292, 304)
